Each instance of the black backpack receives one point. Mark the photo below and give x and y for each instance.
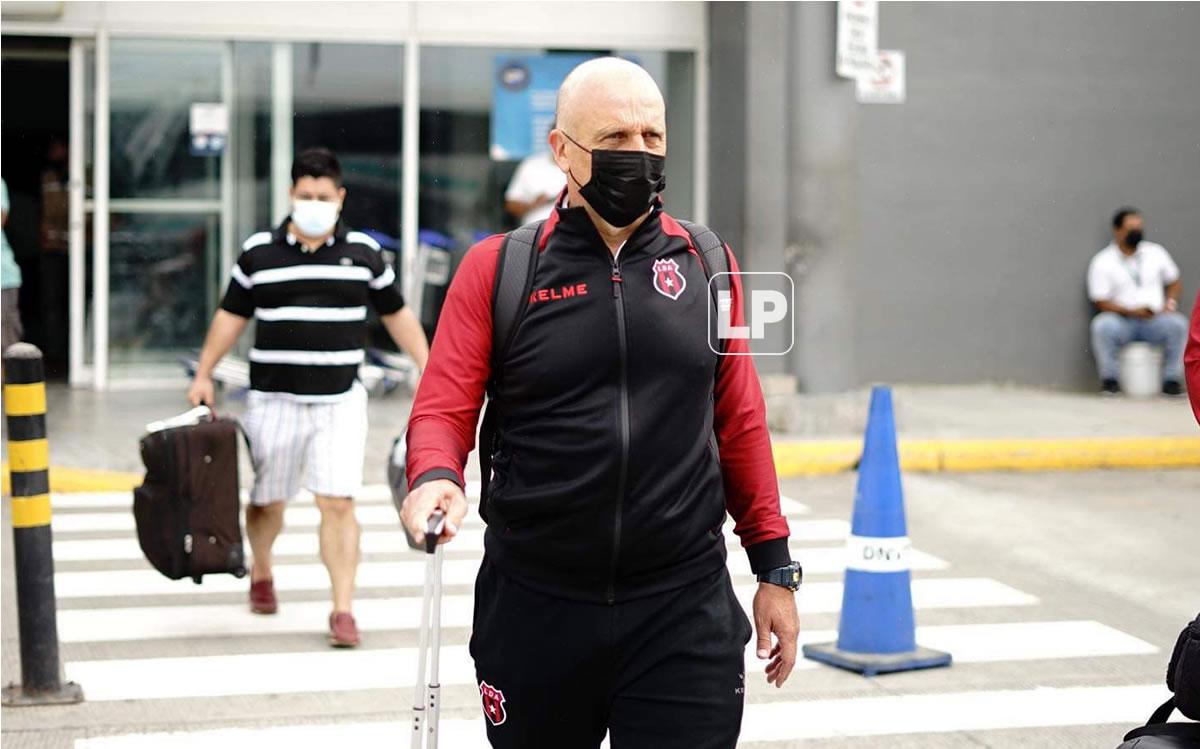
(510, 296)
(1183, 679)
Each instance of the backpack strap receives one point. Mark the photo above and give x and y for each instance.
(711, 250)
(510, 296)
(1158, 726)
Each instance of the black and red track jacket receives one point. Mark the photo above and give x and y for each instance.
(623, 437)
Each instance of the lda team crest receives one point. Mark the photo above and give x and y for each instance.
(493, 703)
(668, 281)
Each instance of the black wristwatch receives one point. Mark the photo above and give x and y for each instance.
(788, 577)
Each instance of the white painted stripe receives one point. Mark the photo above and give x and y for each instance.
(775, 721)
(1027, 641)
(298, 538)
(822, 560)
(311, 314)
(321, 272)
(373, 506)
(385, 279)
(789, 506)
(815, 596)
(305, 516)
(239, 276)
(262, 673)
(321, 671)
(877, 554)
(307, 358)
(257, 240)
(305, 576)
(360, 237)
(943, 713)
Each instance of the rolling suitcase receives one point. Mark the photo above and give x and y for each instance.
(187, 509)
(427, 694)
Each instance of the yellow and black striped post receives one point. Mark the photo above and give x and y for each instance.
(29, 461)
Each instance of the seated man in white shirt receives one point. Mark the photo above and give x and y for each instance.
(533, 188)
(1135, 286)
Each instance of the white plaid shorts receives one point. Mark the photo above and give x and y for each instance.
(315, 446)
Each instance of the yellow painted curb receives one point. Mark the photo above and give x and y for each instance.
(816, 458)
(65, 480)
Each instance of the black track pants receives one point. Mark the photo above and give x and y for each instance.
(659, 672)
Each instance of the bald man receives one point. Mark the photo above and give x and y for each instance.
(603, 602)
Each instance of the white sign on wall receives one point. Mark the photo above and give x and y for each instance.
(884, 85)
(857, 37)
(208, 128)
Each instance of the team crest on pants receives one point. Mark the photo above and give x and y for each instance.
(493, 703)
(668, 281)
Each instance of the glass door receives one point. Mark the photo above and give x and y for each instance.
(157, 184)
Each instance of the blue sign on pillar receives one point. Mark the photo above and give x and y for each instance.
(524, 92)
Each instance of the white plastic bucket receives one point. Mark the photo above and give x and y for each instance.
(1141, 370)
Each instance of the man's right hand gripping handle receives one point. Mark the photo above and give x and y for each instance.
(438, 495)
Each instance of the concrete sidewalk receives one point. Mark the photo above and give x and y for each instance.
(986, 428)
(93, 436)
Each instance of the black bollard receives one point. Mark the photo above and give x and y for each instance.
(29, 460)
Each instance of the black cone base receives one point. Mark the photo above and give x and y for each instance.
(870, 664)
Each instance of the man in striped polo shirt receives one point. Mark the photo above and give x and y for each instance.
(307, 284)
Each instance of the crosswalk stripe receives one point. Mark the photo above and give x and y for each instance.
(275, 673)
(375, 541)
(218, 620)
(312, 576)
(369, 494)
(943, 713)
(299, 515)
(1042, 707)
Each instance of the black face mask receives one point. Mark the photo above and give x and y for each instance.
(1132, 238)
(623, 183)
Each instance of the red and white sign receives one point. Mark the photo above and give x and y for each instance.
(885, 85)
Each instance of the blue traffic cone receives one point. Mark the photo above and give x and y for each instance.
(876, 634)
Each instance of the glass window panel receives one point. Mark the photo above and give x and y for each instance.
(163, 284)
(250, 138)
(153, 85)
(348, 99)
(462, 187)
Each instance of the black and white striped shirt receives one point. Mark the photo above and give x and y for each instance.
(310, 309)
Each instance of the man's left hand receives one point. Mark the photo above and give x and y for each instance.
(775, 613)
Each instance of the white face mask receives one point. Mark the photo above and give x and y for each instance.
(314, 218)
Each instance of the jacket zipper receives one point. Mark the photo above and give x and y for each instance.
(619, 303)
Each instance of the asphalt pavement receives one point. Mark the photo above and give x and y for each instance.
(1058, 593)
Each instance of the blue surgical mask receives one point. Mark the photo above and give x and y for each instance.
(314, 218)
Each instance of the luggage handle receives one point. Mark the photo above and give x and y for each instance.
(427, 693)
(433, 531)
(187, 418)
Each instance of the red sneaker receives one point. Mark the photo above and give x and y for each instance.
(262, 597)
(343, 632)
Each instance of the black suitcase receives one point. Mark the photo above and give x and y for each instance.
(187, 509)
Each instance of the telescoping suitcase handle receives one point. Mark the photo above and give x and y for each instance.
(427, 695)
